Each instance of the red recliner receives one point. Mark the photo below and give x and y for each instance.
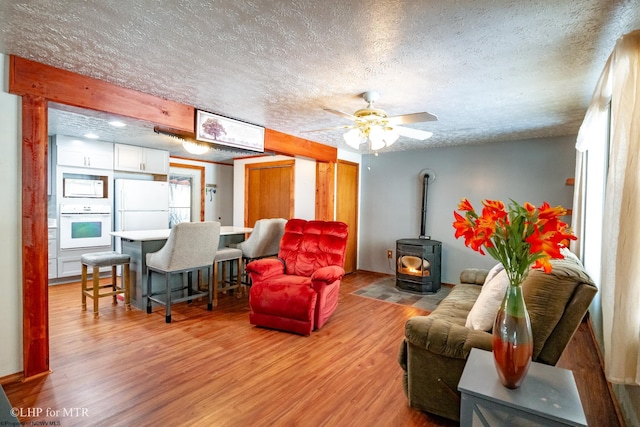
(298, 292)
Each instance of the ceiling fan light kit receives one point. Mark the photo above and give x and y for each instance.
(373, 125)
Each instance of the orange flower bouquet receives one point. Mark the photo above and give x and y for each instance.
(517, 237)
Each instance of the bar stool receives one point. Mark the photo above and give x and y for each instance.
(263, 242)
(224, 256)
(191, 247)
(105, 259)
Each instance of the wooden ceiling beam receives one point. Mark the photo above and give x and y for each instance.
(65, 87)
(290, 145)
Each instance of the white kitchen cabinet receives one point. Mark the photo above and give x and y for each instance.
(140, 159)
(69, 264)
(53, 248)
(83, 153)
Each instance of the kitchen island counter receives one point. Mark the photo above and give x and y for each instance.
(137, 244)
(146, 235)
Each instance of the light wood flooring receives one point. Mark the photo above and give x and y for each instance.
(215, 369)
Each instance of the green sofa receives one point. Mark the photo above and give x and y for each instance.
(435, 348)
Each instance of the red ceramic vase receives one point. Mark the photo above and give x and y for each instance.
(512, 339)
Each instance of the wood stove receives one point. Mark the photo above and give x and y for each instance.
(418, 265)
(418, 260)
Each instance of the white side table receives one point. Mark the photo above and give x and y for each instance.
(548, 396)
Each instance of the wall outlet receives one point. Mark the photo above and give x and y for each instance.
(389, 253)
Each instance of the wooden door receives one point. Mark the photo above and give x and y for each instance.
(268, 191)
(347, 209)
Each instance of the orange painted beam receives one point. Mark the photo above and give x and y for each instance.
(65, 87)
(35, 335)
(290, 145)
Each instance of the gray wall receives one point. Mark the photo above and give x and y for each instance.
(529, 170)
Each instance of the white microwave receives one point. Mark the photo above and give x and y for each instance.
(74, 187)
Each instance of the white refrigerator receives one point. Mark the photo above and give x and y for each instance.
(141, 205)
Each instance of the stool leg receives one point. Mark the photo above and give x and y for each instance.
(96, 290)
(239, 279)
(209, 289)
(84, 287)
(127, 286)
(244, 275)
(167, 315)
(224, 277)
(215, 284)
(114, 277)
(148, 291)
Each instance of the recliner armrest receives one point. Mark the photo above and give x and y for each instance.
(262, 269)
(444, 337)
(326, 275)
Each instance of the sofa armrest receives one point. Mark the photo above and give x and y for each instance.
(474, 276)
(262, 269)
(444, 337)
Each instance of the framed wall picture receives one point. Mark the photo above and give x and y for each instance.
(224, 131)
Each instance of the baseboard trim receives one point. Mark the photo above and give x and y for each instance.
(12, 378)
(614, 397)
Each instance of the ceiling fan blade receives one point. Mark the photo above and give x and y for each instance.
(413, 133)
(325, 129)
(340, 113)
(406, 119)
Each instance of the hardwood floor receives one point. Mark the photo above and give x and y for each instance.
(214, 368)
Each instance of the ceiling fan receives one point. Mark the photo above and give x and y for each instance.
(373, 124)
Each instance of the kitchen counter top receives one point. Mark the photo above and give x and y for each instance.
(138, 244)
(147, 235)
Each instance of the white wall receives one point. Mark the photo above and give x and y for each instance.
(304, 191)
(10, 228)
(530, 170)
(304, 204)
(218, 206)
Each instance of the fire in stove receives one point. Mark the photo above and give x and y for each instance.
(413, 266)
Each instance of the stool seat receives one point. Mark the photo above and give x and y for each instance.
(104, 259)
(111, 259)
(227, 254)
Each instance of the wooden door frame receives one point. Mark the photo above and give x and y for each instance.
(357, 166)
(201, 169)
(37, 84)
(264, 165)
(325, 191)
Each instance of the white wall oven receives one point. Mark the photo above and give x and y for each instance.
(84, 226)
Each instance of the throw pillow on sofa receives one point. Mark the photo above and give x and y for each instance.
(485, 309)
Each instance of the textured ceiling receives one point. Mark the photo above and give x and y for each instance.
(490, 70)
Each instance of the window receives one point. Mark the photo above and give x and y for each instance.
(179, 199)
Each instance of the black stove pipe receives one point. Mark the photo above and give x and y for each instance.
(425, 186)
